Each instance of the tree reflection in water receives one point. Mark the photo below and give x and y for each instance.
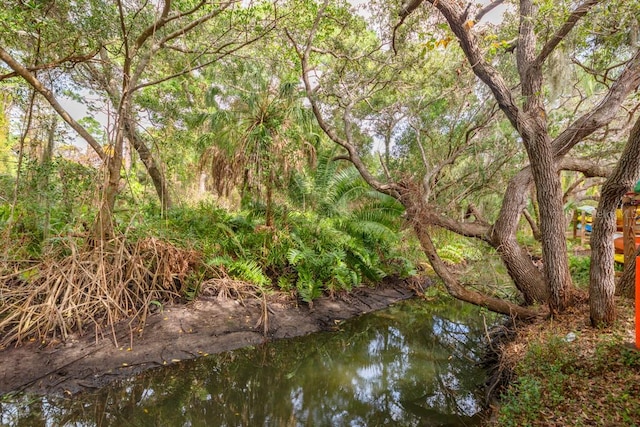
(411, 365)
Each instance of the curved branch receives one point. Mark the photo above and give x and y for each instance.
(604, 112)
(163, 20)
(488, 8)
(571, 22)
(73, 59)
(48, 95)
(456, 17)
(389, 189)
(477, 229)
(146, 58)
(533, 224)
(219, 51)
(454, 287)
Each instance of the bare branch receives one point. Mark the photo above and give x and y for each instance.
(488, 8)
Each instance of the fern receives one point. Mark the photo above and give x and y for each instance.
(308, 288)
(246, 270)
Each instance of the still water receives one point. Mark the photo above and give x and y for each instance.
(413, 364)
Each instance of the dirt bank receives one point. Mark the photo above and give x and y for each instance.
(206, 326)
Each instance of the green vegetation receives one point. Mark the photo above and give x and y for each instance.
(572, 376)
(579, 268)
(332, 233)
(150, 150)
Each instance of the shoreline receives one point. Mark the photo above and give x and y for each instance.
(208, 325)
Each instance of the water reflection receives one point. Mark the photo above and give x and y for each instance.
(410, 365)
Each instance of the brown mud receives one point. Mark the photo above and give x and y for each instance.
(179, 332)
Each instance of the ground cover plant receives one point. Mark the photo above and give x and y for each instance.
(69, 283)
(567, 374)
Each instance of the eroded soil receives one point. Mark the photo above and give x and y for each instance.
(206, 326)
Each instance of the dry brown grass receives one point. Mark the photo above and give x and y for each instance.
(91, 288)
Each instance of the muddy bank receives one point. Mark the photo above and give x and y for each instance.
(206, 326)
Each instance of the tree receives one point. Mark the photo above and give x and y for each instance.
(528, 114)
(257, 134)
(601, 283)
(122, 44)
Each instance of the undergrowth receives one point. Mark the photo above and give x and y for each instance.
(579, 268)
(74, 287)
(574, 376)
(91, 288)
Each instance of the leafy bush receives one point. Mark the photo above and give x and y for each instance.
(579, 268)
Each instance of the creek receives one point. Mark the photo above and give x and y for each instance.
(413, 364)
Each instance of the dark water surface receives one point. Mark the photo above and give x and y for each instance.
(413, 364)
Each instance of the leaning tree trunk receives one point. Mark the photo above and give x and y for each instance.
(602, 275)
(454, 288)
(150, 164)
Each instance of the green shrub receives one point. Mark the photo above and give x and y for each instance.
(579, 268)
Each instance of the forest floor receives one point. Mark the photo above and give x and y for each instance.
(206, 326)
(563, 372)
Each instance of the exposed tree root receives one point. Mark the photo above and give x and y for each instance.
(92, 288)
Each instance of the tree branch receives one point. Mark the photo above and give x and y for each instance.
(602, 113)
(488, 8)
(54, 64)
(588, 168)
(48, 95)
(204, 64)
(390, 189)
(455, 16)
(163, 20)
(571, 21)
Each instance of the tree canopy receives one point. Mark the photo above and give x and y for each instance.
(484, 124)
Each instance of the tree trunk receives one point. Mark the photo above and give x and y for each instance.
(531, 123)
(626, 286)
(104, 225)
(525, 275)
(552, 226)
(150, 164)
(602, 275)
(116, 95)
(454, 288)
